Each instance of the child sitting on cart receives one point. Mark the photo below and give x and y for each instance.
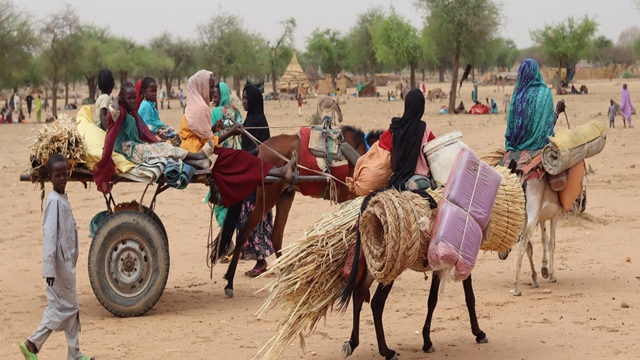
(147, 94)
(130, 136)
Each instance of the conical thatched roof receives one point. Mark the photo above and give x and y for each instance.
(311, 72)
(294, 75)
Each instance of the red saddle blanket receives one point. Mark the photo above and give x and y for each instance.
(308, 160)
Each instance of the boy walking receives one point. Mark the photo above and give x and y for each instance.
(60, 254)
(612, 114)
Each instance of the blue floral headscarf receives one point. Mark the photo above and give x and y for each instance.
(531, 117)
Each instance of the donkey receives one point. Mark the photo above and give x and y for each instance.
(279, 196)
(330, 106)
(542, 205)
(360, 293)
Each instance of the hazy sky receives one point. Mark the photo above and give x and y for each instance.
(143, 19)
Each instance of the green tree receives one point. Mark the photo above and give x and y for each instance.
(62, 36)
(128, 59)
(459, 24)
(507, 54)
(281, 51)
(566, 42)
(597, 49)
(17, 41)
(397, 44)
(179, 58)
(230, 50)
(435, 57)
(328, 48)
(97, 44)
(362, 52)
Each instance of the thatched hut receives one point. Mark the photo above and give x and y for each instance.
(293, 77)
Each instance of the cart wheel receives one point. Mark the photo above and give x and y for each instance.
(129, 263)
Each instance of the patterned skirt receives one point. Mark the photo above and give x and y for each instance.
(259, 245)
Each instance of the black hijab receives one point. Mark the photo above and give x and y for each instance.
(407, 132)
(255, 118)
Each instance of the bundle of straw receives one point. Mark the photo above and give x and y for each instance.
(309, 277)
(508, 214)
(493, 156)
(395, 233)
(62, 138)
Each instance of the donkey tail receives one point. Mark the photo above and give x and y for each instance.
(347, 293)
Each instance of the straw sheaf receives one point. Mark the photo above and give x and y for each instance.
(508, 214)
(394, 230)
(60, 137)
(493, 156)
(309, 278)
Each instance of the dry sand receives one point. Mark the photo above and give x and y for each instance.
(580, 316)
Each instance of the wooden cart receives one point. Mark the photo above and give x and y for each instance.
(129, 254)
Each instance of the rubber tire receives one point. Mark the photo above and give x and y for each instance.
(156, 218)
(146, 228)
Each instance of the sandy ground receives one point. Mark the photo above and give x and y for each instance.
(580, 316)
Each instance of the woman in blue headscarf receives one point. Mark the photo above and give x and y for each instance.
(226, 112)
(531, 117)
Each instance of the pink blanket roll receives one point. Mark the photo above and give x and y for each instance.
(473, 186)
(455, 241)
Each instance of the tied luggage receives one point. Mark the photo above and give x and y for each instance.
(372, 171)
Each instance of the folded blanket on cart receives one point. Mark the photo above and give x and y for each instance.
(178, 174)
(148, 172)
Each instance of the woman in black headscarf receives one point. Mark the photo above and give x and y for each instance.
(254, 106)
(409, 134)
(259, 245)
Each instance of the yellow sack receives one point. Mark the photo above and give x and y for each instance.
(569, 139)
(94, 142)
(372, 171)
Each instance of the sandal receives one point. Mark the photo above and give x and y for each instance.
(254, 273)
(28, 355)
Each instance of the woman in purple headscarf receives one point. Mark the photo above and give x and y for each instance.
(625, 105)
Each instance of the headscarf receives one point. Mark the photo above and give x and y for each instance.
(197, 111)
(225, 101)
(407, 133)
(625, 103)
(531, 116)
(104, 169)
(139, 96)
(255, 118)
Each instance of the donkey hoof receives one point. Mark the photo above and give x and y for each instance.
(484, 340)
(545, 272)
(517, 292)
(228, 292)
(553, 279)
(394, 357)
(429, 350)
(346, 350)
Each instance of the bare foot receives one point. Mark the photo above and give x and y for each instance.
(292, 167)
